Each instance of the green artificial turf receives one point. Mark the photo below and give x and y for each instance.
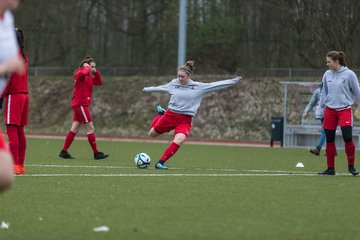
(209, 192)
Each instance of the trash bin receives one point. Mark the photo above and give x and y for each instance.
(277, 130)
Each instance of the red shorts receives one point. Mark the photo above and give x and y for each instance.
(170, 120)
(333, 117)
(16, 109)
(82, 114)
(3, 144)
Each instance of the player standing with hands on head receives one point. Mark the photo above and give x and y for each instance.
(340, 86)
(186, 96)
(9, 62)
(85, 77)
(16, 109)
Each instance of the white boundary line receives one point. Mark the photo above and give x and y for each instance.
(243, 173)
(196, 168)
(169, 175)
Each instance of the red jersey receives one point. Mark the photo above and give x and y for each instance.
(83, 86)
(18, 83)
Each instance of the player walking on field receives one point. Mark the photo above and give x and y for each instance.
(16, 109)
(85, 77)
(185, 100)
(314, 102)
(340, 86)
(9, 62)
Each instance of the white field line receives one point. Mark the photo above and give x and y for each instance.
(246, 173)
(197, 169)
(170, 175)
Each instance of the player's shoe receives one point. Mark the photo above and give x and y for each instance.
(161, 166)
(353, 171)
(328, 171)
(315, 151)
(100, 155)
(160, 110)
(22, 169)
(65, 154)
(17, 169)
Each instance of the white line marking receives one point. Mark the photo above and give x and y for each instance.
(75, 166)
(196, 168)
(169, 175)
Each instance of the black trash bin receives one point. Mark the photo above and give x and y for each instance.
(277, 130)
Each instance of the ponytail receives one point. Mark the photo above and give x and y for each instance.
(337, 55)
(21, 42)
(188, 67)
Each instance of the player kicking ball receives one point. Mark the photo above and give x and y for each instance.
(185, 100)
(85, 77)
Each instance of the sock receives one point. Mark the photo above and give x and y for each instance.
(155, 120)
(22, 144)
(169, 152)
(330, 154)
(13, 142)
(68, 140)
(92, 141)
(350, 152)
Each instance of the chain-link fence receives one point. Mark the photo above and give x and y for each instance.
(289, 74)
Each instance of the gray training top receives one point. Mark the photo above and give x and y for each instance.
(339, 89)
(186, 99)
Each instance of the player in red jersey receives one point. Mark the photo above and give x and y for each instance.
(16, 109)
(9, 62)
(85, 77)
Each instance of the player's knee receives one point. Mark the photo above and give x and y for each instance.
(153, 133)
(179, 138)
(75, 128)
(347, 138)
(90, 128)
(347, 133)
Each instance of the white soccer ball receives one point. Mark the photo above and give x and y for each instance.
(142, 160)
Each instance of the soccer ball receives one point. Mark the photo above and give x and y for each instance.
(142, 160)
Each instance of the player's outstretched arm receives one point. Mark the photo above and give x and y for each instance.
(161, 88)
(219, 85)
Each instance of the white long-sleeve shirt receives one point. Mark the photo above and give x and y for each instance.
(186, 99)
(8, 43)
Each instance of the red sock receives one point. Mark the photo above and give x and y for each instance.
(170, 151)
(350, 152)
(330, 154)
(92, 141)
(13, 142)
(22, 144)
(156, 119)
(68, 140)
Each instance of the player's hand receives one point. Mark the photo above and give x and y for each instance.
(358, 113)
(305, 114)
